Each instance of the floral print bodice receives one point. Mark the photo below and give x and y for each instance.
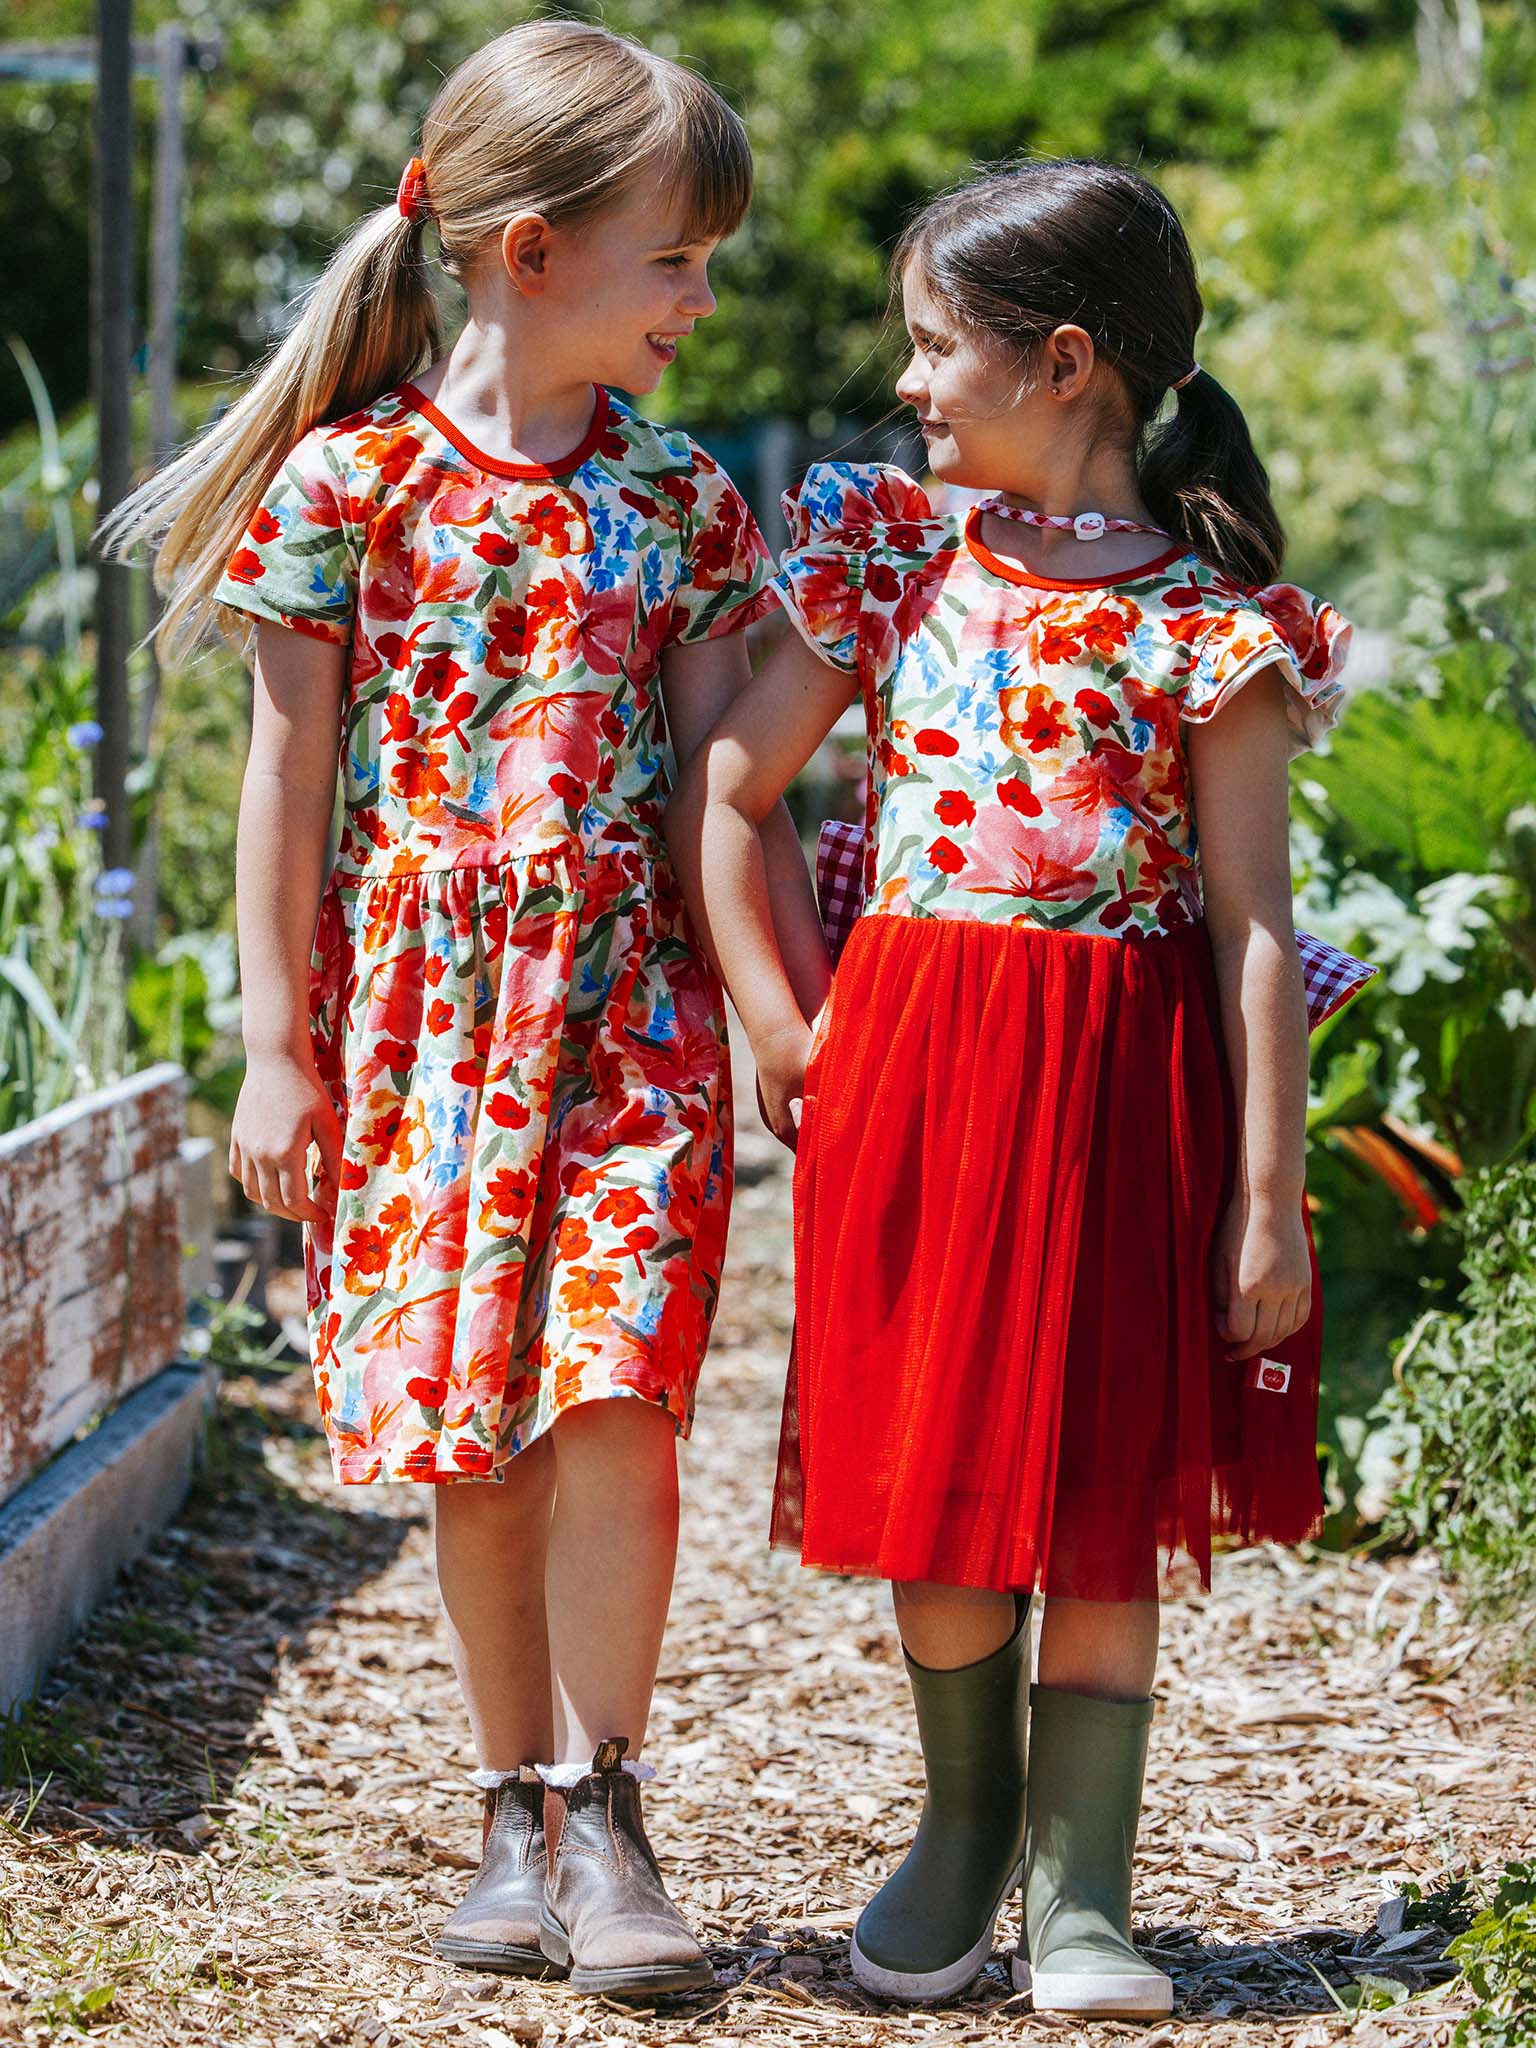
(506, 623)
(1026, 754)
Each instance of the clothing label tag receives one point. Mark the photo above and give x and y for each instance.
(1270, 1376)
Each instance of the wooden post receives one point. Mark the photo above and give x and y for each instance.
(112, 361)
(164, 294)
(165, 250)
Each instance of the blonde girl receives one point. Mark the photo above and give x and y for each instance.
(506, 605)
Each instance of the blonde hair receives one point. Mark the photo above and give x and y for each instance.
(554, 117)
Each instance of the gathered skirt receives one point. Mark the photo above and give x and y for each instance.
(1015, 1151)
(527, 1057)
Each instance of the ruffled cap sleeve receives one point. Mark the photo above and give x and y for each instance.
(1284, 626)
(852, 498)
(840, 515)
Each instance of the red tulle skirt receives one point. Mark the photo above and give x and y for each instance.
(1015, 1150)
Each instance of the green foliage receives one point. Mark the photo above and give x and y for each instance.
(184, 1003)
(38, 1742)
(1449, 1906)
(1497, 1957)
(238, 1339)
(75, 1012)
(72, 2007)
(61, 1005)
(1415, 840)
(1323, 317)
(1417, 850)
(1463, 1410)
(203, 728)
(136, 1630)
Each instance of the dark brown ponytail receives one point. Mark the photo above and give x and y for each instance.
(1202, 480)
(1072, 242)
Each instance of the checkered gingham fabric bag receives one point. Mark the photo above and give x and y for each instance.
(1331, 977)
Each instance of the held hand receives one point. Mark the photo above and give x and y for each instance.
(1262, 1276)
(283, 1109)
(781, 1064)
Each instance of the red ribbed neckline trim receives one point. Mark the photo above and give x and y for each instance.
(419, 402)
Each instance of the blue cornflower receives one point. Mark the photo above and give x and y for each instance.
(84, 735)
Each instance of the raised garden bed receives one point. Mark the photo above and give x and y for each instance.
(100, 1415)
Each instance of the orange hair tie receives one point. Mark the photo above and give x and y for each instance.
(412, 195)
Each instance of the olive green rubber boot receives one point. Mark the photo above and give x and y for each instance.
(928, 1930)
(1087, 1761)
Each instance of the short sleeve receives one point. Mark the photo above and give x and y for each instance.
(297, 563)
(839, 516)
(724, 582)
(1283, 626)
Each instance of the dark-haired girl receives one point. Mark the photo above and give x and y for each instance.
(1057, 1305)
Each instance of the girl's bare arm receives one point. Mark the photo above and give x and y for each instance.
(1238, 764)
(727, 789)
(700, 683)
(286, 802)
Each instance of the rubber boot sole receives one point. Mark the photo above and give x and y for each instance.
(638, 1980)
(507, 1959)
(927, 1987)
(1133, 1996)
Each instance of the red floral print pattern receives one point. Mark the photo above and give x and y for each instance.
(1027, 760)
(524, 1046)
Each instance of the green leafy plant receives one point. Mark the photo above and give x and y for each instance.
(1497, 1958)
(184, 1003)
(62, 1016)
(1462, 1409)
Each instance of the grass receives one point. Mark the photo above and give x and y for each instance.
(135, 1630)
(48, 1742)
(86, 1976)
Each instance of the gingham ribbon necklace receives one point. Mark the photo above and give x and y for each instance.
(1085, 525)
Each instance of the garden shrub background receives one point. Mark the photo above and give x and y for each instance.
(1357, 182)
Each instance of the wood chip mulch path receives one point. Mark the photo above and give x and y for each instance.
(258, 1814)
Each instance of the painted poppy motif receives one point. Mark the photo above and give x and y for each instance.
(524, 1046)
(1027, 761)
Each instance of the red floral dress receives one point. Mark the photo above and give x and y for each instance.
(525, 1048)
(1028, 760)
(1018, 1135)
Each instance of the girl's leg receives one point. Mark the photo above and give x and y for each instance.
(491, 1543)
(613, 1546)
(1090, 1718)
(1102, 1648)
(608, 1582)
(928, 1930)
(944, 1627)
(491, 1546)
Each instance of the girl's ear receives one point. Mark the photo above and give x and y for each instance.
(525, 242)
(1067, 363)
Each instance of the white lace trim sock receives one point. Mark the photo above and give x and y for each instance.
(492, 1781)
(563, 1776)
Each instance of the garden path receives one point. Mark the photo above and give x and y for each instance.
(258, 1815)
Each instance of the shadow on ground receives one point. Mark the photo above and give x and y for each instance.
(1314, 1971)
(140, 1732)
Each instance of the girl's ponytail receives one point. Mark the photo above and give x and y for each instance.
(368, 323)
(1202, 480)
